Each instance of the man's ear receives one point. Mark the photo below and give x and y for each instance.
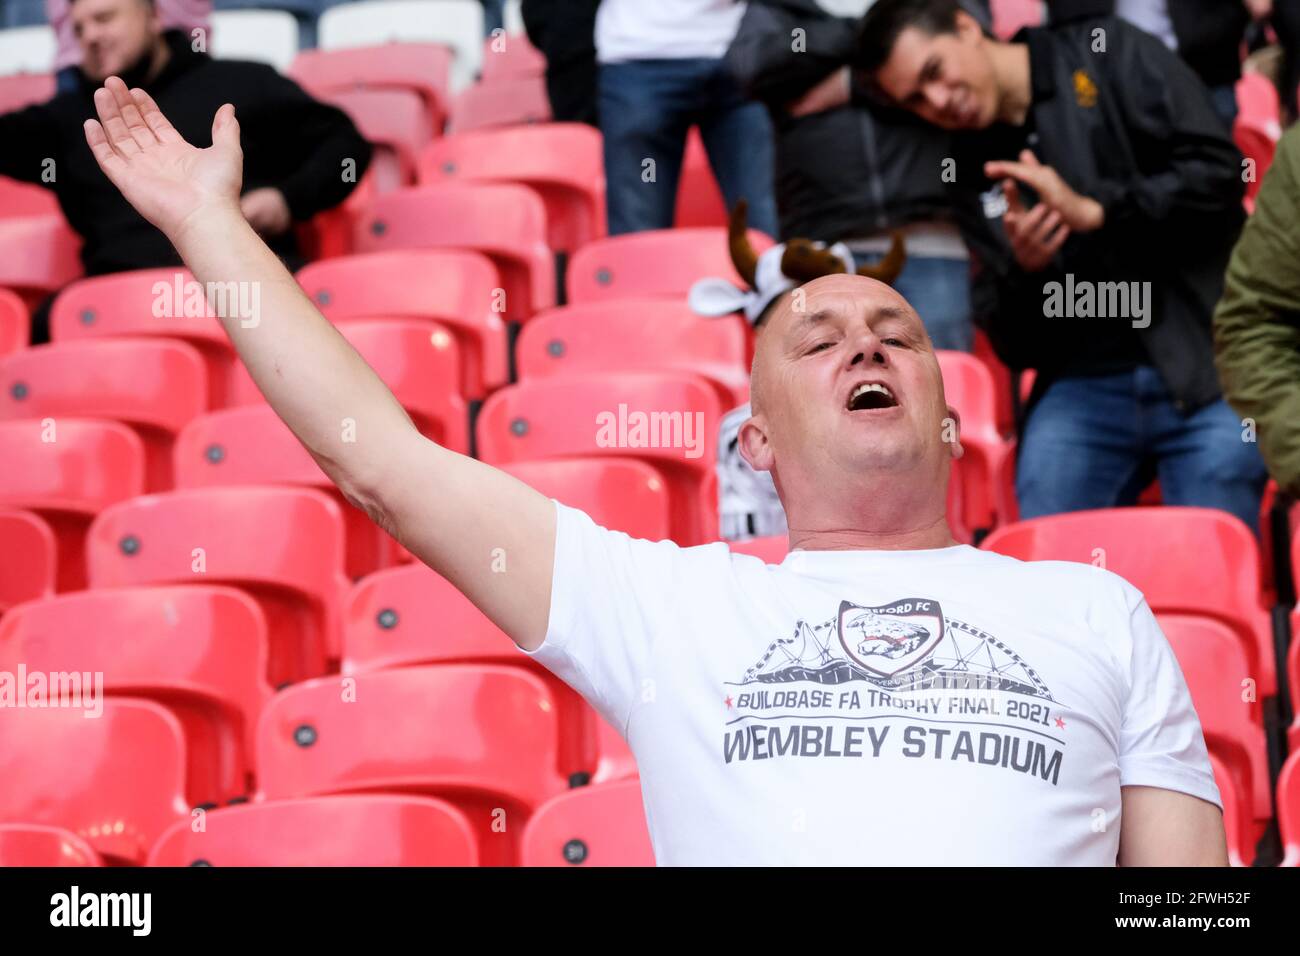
(968, 28)
(754, 445)
(952, 432)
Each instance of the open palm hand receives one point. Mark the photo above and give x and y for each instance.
(166, 179)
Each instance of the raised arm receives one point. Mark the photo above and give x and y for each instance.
(464, 519)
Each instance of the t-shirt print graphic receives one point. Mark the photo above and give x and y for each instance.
(913, 683)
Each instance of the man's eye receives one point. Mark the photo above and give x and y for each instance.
(893, 341)
(818, 347)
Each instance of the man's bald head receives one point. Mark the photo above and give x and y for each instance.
(821, 344)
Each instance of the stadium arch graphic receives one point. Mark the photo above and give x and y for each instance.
(902, 646)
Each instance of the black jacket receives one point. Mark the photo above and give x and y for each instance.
(846, 172)
(1135, 129)
(290, 141)
(1209, 32)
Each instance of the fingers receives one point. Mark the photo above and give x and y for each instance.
(135, 125)
(225, 128)
(1043, 225)
(1009, 189)
(110, 162)
(1002, 168)
(154, 118)
(115, 131)
(1028, 158)
(1053, 244)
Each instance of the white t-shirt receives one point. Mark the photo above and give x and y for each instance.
(949, 706)
(665, 29)
(1151, 16)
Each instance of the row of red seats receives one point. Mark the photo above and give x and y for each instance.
(1209, 607)
(601, 825)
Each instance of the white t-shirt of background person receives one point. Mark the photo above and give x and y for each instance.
(748, 505)
(936, 707)
(665, 29)
(1151, 16)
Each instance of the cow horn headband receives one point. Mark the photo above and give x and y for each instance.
(781, 268)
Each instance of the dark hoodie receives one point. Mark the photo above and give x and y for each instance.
(290, 141)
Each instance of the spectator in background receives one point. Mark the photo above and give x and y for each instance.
(1207, 34)
(848, 170)
(183, 15)
(661, 72)
(1257, 323)
(300, 156)
(1101, 196)
(564, 32)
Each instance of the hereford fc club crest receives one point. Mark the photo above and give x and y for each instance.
(889, 639)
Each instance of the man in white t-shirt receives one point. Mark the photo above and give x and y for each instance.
(883, 696)
(661, 71)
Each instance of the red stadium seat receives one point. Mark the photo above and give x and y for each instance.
(968, 387)
(504, 221)
(29, 558)
(20, 200)
(699, 200)
(198, 650)
(771, 549)
(324, 831)
(622, 494)
(38, 254)
(67, 471)
(601, 825)
(252, 446)
(1010, 15)
(1288, 808)
(1184, 560)
(154, 303)
(23, 89)
(411, 615)
(1217, 671)
(484, 737)
(116, 781)
(452, 287)
(282, 545)
(422, 67)
(506, 102)
(645, 415)
(661, 263)
(419, 361)
(421, 365)
(34, 844)
(1237, 824)
(15, 330)
(396, 122)
(155, 386)
(562, 162)
(1257, 129)
(510, 56)
(651, 334)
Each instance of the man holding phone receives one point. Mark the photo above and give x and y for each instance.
(1101, 195)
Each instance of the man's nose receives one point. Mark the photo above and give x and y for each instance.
(869, 351)
(938, 95)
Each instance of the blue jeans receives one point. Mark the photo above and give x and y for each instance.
(1097, 441)
(646, 108)
(939, 290)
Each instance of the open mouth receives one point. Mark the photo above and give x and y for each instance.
(871, 396)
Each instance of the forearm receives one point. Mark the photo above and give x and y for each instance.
(316, 382)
